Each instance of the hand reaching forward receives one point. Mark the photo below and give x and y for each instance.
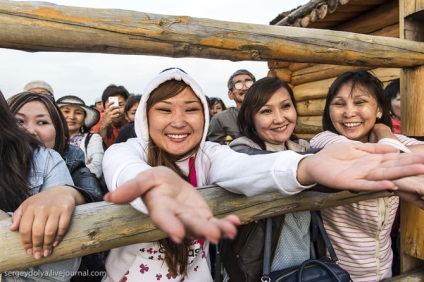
(43, 219)
(411, 189)
(175, 206)
(359, 167)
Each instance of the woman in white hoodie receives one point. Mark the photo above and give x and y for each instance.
(171, 124)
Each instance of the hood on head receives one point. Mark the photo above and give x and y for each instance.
(140, 121)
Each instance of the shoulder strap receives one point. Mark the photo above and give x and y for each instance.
(317, 221)
(87, 140)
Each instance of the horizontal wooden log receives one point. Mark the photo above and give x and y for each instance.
(318, 72)
(40, 26)
(101, 226)
(308, 125)
(277, 65)
(283, 74)
(311, 107)
(389, 31)
(298, 66)
(312, 90)
(305, 136)
(377, 19)
(318, 89)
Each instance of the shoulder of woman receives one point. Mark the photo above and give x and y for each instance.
(244, 141)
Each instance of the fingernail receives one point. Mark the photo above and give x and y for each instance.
(29, 252)
(46, 253)
(176, 240)
(55, 243)
(37, 255)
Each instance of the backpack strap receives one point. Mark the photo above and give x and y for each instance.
(87, 141)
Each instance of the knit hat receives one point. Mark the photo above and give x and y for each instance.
(39, 84)
(92, 116)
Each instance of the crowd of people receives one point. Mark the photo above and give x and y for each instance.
(152, 150)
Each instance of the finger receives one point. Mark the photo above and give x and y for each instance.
(25, 231)
(38, 229)
(228, 226)
(16, 219)
(375, 148)
(165, 219)
(64, 222)
(129, 191)
(367, 185)
(412, 198)
(124, 194)
(50, 234)
(201, 227)
(395, 171)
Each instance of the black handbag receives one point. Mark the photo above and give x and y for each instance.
(325, 269)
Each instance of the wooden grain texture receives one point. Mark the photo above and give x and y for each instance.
(311, 107)
(102, 226)
(40, 26)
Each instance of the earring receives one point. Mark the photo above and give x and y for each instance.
(379, 115)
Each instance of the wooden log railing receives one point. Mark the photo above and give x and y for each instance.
(101, 226)
(40, 26)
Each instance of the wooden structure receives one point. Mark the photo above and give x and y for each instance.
(39, 26)
(390, 18)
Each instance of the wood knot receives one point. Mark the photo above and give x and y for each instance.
(92, 234)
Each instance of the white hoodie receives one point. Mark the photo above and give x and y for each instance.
(215, 164)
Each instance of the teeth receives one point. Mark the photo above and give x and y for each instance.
(280, 128)
(352, 124)
(177, 136)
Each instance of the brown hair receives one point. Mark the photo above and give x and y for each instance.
(176, 255)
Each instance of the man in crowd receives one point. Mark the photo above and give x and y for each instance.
(113, 118)
(224, 124)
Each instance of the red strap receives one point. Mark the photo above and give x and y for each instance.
(192, 171)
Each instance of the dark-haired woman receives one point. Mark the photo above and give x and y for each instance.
(357, 111)
(38, 191)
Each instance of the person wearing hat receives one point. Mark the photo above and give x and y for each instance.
(80, 118)
(39, 86)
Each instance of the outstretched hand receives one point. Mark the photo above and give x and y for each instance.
(359, 167)
(182, 210)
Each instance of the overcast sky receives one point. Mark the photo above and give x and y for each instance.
(87, 75)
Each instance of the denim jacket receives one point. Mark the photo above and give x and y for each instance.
(49, 170)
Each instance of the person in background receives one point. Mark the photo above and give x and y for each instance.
(98, 104)
(216, 105)
(224, 123)
(80, 119)
(392, 93)
(129, 110)
(356, 111)
(37, 189)
(39, 86)
(170, 157)
(112, 120)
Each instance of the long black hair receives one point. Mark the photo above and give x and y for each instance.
(17, 149)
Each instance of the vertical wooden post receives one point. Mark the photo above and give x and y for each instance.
(411, 22)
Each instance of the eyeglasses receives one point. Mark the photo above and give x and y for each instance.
(239, 85)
